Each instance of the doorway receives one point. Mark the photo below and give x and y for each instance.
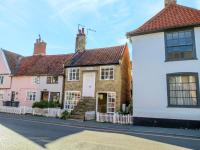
(44, 96)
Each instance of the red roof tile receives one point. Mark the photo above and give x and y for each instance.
(54, 64)
(13, 60)
(100, 56)
(172, 16)
(43, 65)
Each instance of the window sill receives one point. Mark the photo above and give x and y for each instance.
(183, 106)
(52, 83)
(181, 59)
(73, 80)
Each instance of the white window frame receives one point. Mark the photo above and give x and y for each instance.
(107, 67)
(74, 75)
(36, 79)
(1, 80)
(30, 95)
(70, 104)
(113, 95)
(107, 108)
(1, 95)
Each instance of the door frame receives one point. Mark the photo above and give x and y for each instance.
(94, 82)
(106, 92)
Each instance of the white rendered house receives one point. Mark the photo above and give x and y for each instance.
(166, 68)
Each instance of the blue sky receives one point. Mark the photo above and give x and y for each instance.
(56, 20)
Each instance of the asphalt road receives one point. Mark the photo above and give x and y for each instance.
(23, 134)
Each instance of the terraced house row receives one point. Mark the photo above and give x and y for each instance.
(87, 80)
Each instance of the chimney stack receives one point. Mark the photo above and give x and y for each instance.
(39, 47)
(169, 2)
(80, 40)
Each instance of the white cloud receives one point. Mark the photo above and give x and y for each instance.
(66, 9)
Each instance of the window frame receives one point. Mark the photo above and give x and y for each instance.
(2, 94)
(194, 55)
(28, 98)
(52, 79)
(104, 67)
(51, 96)
(1, 79)
(197, 89)
(65, 99)
(36, 79)
(69, 72)
(113, 95)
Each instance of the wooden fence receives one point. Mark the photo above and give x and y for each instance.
(114, 118)
(49, 112)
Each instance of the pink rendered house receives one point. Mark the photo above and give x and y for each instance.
(25, 80)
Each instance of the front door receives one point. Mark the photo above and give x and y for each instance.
(44, 96)
(88, 84)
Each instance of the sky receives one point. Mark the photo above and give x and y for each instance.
(57, 22)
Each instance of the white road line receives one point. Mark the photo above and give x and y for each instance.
(107, 130)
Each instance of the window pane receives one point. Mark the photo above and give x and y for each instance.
(71, 99)
(182, 90)
(179, 45)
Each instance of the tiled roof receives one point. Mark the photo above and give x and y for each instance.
(54, 64)
(172, 16)
(100, 56)
(43, 65)
(13, 60)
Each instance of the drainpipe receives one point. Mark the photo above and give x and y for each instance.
(63, 89)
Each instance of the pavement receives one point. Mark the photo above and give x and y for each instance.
(34, 132)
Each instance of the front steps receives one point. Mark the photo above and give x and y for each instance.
(85, 104)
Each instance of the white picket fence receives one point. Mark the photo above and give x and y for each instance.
(49, 112)
(114, 118)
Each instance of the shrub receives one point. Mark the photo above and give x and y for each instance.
(65, 115)
(46, 104)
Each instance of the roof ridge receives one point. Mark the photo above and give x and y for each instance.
(109, 47)
(172, 16)
(195, 9)
(12, 52)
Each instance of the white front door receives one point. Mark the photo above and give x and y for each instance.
(89, 84)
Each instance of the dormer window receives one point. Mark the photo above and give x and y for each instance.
(180, 45)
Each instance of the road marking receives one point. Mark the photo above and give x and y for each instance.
(106, 129)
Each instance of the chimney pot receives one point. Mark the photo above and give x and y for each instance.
(83, 31)
(169, 2)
